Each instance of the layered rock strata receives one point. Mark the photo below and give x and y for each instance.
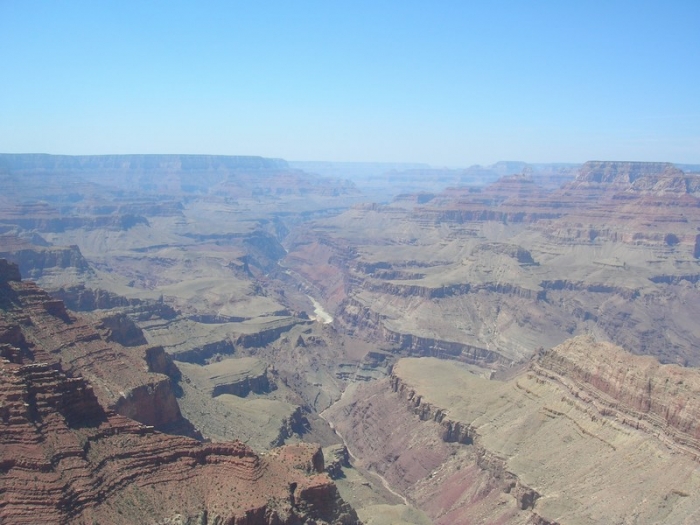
(37, 261)
(69, 458)
(80, 298)
(129, 379)
(237, 377)
(660, 400)
(503, 270)
(587, 434)
(66, 459)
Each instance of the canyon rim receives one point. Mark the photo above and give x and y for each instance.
(209, 339)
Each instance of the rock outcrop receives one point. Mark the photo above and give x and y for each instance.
(120, 374)
(80, 298)
(662, 400)
(66, 456)
(119, 328)
(44, 218)
(237, 376)
(512, 266)
(588, 433)
(9, 272)
(36, 261)
(622, 174)
(67, 459)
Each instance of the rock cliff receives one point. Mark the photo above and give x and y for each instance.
(588, 433)
(36, 261)
(512, 266)
(83, 299)
(121, 375)
(68, 457)
(662, 400)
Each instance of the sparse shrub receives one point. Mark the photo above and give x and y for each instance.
(671, 239)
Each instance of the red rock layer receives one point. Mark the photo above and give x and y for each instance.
(631, 202)
(124, 378)
(65, 458)
(636, 390)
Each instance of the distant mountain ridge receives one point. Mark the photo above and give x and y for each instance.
(23, 162)
(42, 176)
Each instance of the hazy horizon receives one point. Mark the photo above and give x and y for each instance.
(332, 163)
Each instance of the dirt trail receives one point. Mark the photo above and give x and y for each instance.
(381, 478)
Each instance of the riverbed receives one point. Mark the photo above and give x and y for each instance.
(320, 314)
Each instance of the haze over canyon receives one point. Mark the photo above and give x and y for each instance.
(247, 340)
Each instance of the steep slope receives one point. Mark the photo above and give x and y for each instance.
(129, 376)
(67, 457)
(63, 457)
(489, 275)
(588, 434)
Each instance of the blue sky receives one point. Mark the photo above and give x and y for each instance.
(449, 83)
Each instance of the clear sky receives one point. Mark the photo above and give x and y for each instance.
(449, 83)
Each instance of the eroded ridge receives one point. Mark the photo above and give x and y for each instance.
(588, 433)
(69, 459)
(66, 458)
(638, 391)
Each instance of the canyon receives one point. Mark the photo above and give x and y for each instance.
(73, 453)
(587, 433)
(504, 344)
(491, 274)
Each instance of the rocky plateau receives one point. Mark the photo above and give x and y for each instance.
(75, 447)
(507, 344)
(587, 433)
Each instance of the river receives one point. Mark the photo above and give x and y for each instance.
(319, 313)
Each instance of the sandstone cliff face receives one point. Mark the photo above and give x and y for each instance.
(35, 261)
(622, 173)
(430, 347)
(43, 218)
(512, 267)
(129, 379)
(588, 434)
(152, 404)
(434, 465)
(629, 202)
(63, 457)
(68, 458)
(79, 298)
(238, 377)
(646, 202)
(663, 400)
(121, 329)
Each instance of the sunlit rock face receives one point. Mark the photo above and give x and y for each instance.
(69, 454)
(492, 274)
(587, 433)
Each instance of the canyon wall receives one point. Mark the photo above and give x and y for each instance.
(513, 267)
(68, 456)
(588, 433)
